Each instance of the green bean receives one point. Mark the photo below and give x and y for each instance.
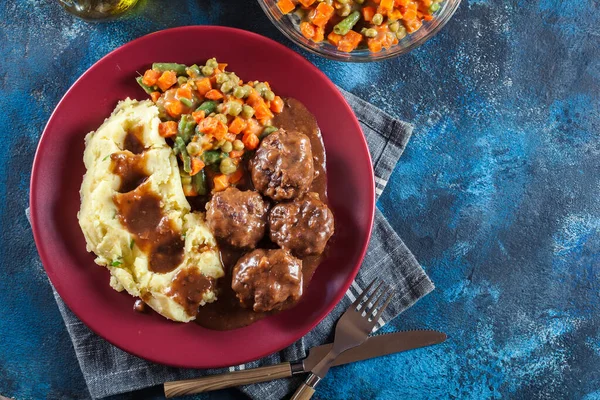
(146, 88)
(179, 69)
(208, 107)
(211, 157)
(186, 102)
(187, 161)
(181, 80)
(347, 23)
(267, 131)
(186, 128)
(199, 182)
(193, 71)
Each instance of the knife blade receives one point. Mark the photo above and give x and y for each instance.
(375, 346)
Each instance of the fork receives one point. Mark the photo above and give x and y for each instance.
(351, 330)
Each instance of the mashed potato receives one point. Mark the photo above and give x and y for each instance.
(115, 246)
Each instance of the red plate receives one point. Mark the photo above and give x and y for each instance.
(58, 170)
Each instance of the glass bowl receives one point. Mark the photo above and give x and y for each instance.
(288, 25)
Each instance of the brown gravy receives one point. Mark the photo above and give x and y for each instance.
(227, 313)
(139, 209)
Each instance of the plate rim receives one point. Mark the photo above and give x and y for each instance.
(36, 228)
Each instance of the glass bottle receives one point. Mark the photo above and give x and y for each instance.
(97, 9)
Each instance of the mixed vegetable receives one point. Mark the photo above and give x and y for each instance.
(348, 24)
(212, 119)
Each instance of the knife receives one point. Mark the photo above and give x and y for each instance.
(374, 346)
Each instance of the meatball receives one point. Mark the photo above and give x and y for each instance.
(282, 167)
(266, 280)
(303, 226)
(238, 218)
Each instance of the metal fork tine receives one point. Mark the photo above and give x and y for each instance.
(384, 293)
(370, 299)
(364, 293)
(383, 307)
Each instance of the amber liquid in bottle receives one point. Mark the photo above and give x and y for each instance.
(97, 9)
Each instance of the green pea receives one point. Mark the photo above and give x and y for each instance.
(394, 26)
(222, 118)
(234, 108)
(247, 111)
(370, 33)
(222, 78)
(193, 149)
(377, 19)
(227, 147)
(207, 71)
(182, 80)
(401, 34)
(212, 63)
(238, 145)
(239, 92)
(193, 71)
(269, 95)
(434, 7)
(267, 131)
(227, 166)
(227, 87)
(261, 88)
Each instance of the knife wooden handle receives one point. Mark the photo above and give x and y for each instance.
(229, 379)
(304, 392)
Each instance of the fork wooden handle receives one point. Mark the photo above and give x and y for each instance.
(230, 379)
(304, 392)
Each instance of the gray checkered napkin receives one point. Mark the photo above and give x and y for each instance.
(109, 370)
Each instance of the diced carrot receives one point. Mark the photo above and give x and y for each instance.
(251, 141)
(427, 17)
(412, 25)
(197, 166)
(399, 3)
(166, 80)
(174, 108)
(167, 129)
(286, 6)
(322, 14)
(214, 94)
(236, 176)
(155, 96)
(189, 191)
(254, 99)
(203, 86)
(409, 15)
(252, 126)
(387, 4)
(307, 29)
(374, 45)
(150, 77)
(198, 116)
(350, 41)
(208, 125)
(184, 91)
(306, 3)
(221, 182)
(334, 38)
(395, 14)
(261, 111)
(236, 153)
(237, 125)
(220, 131)
(277, 105)
(319, 34)
(222, 66)
(368, 13)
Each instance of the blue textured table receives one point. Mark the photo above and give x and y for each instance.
(497, 194)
